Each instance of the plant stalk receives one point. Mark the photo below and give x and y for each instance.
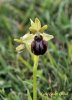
(36, 59)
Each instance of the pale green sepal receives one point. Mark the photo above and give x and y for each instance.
(31, 22)
(20, 47)
(46, 36)
(27, 38)
(43, 28)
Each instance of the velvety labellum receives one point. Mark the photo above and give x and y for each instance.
(38, 46)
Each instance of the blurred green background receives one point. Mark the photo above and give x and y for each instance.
(54, 76)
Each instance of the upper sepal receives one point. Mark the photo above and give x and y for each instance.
(36, 26)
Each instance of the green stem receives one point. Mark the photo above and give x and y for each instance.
(36, 59)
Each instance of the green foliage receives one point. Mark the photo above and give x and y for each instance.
(54, 74)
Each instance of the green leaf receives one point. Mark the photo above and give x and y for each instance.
(13, 96)
(29, 96)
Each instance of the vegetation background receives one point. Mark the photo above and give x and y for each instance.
(54, 76)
